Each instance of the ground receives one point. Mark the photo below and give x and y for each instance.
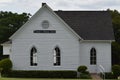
(34, 79)
(41, 79)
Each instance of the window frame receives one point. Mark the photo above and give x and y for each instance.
(45, 24)
(57, 56)
(33, 56)
(93, 56)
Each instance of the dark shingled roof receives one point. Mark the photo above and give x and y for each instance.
(7, 42)
(90, 25)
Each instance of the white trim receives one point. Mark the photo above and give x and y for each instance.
(25, 24)
(54, 14)
(34, 56)
(64, 23)
(5, 44)
(60, 55)
(92, 56)
(43, 23)
(32, 47)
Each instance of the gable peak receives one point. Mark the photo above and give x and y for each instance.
(44, 4)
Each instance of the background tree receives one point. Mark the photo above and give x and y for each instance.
(9, 23)
(116, 45)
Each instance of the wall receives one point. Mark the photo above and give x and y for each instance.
(73, 53)
(6, 49)
(103, 49)
(45, 44)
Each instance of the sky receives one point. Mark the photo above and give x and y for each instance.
(31, 6)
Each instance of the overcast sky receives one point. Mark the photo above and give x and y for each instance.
(31, 6)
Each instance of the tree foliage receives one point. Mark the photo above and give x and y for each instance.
(9, 23)
(116, 70)
(5, 64)
(116, 45)
(82, 69)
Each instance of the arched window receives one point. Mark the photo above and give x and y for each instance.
(33, 57)
(93, 56)
(57, 56)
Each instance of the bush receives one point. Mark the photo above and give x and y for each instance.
(5, 64)
(116, 70)
(83, 73)
(41, 74)
(109, 75)
(82, 69)
(86, 72)
(85, 76)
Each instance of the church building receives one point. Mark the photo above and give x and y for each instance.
(62, 40)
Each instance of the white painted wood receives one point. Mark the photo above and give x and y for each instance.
(6, 49)
(45, 44)
(103, 50)
(52, 12)
(73, 51)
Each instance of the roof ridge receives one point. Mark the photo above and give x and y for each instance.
(78, 11)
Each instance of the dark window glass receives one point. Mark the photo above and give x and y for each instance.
(93, 56)
(57, 58)
(44, 31)
(33, 57)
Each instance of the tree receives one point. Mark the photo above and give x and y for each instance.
(9, 23)
(116, 45)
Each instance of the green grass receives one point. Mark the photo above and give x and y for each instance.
(36, 79)
(43, 79)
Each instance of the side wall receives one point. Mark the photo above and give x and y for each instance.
(6, 49)
(103, 50)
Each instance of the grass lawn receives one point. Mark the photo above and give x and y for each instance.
(43, 79)
(36, 79)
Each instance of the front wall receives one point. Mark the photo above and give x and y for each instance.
(45, 44)
(103, 50)
(73, 53)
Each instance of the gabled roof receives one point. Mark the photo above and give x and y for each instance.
(86, 25)
(90, 25)
(6, 43)
(44, 5)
